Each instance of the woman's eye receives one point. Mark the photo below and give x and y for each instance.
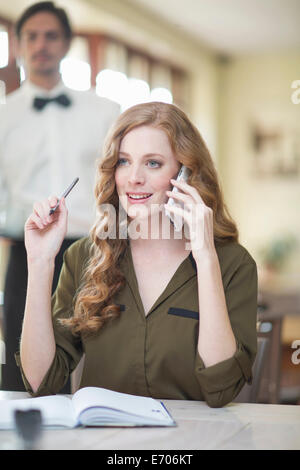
(121, 162)
(154, 164)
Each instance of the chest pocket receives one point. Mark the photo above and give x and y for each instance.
(182, 312)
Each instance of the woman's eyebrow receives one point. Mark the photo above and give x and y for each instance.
(147, 155)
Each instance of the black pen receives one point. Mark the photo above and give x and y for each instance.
(64, 194)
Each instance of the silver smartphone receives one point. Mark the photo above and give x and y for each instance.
(177, 221)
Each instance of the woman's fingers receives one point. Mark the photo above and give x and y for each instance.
(195, 219)
(34, 221)
(191, 199)
(188, 189)
(40, 225)
(179, 196)
(186, 215)
(38, 211)
(198, 216)
(53, 200)
(41, 211)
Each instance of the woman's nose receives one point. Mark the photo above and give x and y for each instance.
(136, 176)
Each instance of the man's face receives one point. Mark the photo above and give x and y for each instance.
(42, 44)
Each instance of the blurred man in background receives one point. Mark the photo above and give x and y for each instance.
(49, 135)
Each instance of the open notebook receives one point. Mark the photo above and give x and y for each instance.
(90, 406)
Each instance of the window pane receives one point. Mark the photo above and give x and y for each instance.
(161, 94)
(3, 47)
(112, 85)
(115, 57)
(76, 74)
(138, 92)
(22, 74)
(128, 92)
(75, 68)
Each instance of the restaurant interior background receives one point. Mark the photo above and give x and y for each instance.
(234, 67)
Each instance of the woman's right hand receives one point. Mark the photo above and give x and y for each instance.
(44, 233)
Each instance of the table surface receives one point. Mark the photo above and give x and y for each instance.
(235, 426)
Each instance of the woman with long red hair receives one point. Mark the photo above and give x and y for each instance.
(163, 316)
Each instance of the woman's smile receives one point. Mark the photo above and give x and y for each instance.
(138, 198)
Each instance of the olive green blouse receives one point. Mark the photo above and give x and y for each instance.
(156, 355)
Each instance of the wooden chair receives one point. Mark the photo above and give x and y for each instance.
(270, 325)
(250, 393)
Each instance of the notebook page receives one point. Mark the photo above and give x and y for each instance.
(143, 406)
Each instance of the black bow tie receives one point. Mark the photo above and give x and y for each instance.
(40, 103)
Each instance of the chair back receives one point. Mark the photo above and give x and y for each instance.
(249, 393)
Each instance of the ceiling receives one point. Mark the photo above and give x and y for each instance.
(234, 26)
(228, 27)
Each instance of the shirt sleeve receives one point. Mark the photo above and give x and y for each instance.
(68, 347)
(222, 382)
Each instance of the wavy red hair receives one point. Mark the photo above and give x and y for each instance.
(103, 279)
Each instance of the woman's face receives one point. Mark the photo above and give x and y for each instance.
(145, 166)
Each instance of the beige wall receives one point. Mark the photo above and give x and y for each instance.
(252, 88)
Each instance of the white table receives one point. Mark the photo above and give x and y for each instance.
(236, 426)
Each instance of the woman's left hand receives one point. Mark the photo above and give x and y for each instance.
(197, 215)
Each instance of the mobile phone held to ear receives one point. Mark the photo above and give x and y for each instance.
(177, 221)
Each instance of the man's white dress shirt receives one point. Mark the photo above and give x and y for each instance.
(41, 152)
